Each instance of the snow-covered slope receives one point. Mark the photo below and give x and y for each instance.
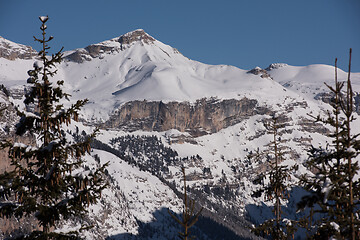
(133, 198)
(310, 80)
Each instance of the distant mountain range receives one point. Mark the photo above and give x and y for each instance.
(158, 111)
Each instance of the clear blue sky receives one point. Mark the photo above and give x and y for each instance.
(243, 33)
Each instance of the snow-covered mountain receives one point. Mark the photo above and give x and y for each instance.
(135, 66)
(159, 111)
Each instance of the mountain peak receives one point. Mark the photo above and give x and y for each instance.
(134, 36)
(109, 46)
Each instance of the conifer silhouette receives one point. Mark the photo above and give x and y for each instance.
(334, 192)
(47, 181)
(189, 217)
(277, 188)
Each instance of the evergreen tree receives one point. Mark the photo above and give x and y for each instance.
(277, 188)
(189, 217)
(47, 181)
(334, 198)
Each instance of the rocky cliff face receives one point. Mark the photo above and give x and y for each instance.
(12, 51)
(202, 117)
(329, 98)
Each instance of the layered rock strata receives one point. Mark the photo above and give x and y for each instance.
(199, 118)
